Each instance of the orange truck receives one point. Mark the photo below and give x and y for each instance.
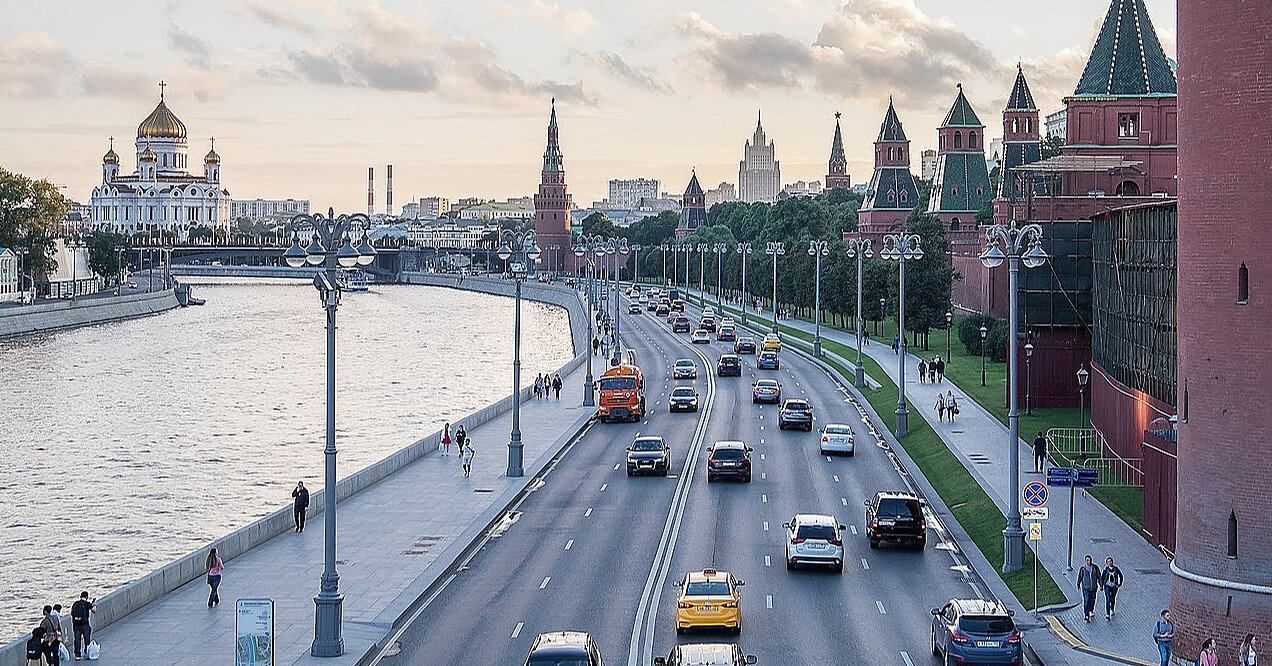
(622, 389)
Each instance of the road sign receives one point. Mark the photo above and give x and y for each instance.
(1034, 513)
(1035, 494)
(1060, 476)
(1035, 531)
(1086, 477)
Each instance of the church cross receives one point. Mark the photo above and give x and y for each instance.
(162, 85)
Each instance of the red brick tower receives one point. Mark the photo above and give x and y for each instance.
(1223, 556)
(837, 169)
(892, 193)
(552, 206)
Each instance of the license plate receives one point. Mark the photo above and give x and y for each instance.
(988, 644)
(817, 546)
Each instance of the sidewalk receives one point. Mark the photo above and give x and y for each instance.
(390, 535)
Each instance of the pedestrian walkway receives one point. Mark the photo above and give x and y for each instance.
(395, 537)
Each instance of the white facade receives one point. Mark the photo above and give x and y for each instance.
(265, 210)
(721, 193)
(449, 234)
(161, 193)
(8, 275)
(927, 164)
(432, 208)
(507, 210)
(628, 192)
(73, 276)
(1058, 124)
(759, 172)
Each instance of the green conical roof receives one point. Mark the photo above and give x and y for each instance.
(1127, 59)
(961, 114)
(1021, 98)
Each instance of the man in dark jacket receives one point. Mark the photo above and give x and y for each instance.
(1111, 580)
(300, 504)
(80, 611)
(1040, 452)
(1088, 584)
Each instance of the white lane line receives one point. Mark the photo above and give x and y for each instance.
(880, 605)
(761, 456)
(761, 428)
(766, 526)
(604, 486)
(836, 475)
(545, 582)
(764, 498)
(906, 658)
(844, 501)
(827, 458)
(763, 475)
(569, 543)
(761, 440)
(588, 512)
(767, 561)
(517, 630)
(864, 564)
(768, 601)
(617, 464)
(854, 528)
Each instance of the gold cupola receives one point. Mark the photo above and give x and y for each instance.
(161, 123)
(111, 157)
(147, 155)
(212, 157)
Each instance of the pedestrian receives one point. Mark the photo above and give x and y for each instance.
(1164, 635)
(940, 406)
(80, 612)
(865, 336)
(461, 436)
(52, 636)
(932, 370)
(940, 369)
(467, 454)
(556, 385)
(896, 343)
(1208, 656)
(35, 647)
(214, 566)
(1088, 584)
(1040, 452)
(596, 345)
(1111, 580)
(446, 440)
(922, 371)
(57, 613)
(951, 405)
(538, 386)
(300, 505)
(1246, 653)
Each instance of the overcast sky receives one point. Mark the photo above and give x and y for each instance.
(303, 95)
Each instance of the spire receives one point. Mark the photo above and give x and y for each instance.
(694, 188)
(837, 144)
(111, 157)
(212, 157)
(1021, 98)
(552, 160)
(961, 113)
(759, 126)
(1127, 58)
(891, 129)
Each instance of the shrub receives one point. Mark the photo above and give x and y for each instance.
(969, 332)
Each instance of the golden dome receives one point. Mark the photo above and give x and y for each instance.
(147, 155)
(161, 124)
(111, 157)
(212, 157)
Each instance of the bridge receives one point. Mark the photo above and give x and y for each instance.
(391, 259)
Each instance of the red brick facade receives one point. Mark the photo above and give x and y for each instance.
(552, 206)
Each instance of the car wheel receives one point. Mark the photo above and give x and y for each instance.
(851, 452)
(874, 543)
(821, 451)
(790, 566)
(711, 478)
(746, 479)
(738, 629)
(664, 472)
(839, 568)
(629, 471)
(680, 629)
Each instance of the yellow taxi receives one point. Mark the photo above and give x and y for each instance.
(708, 598)
(771, 343)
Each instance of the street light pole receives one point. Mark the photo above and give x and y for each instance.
(702, 273)
(1029, 378)
(899, 248)
(588, 385)
(636, 248)
(883, 302)
(720, 249)
(819, 249)
(620, 250)
(775, 249)
(984, 332)
(520, 248)
(663, 247)
(860, 248)
(1083, 378)
(332, 248)
(949, 324)
(744, 249)
(1024, 245)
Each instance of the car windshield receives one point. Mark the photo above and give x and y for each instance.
(986, 624)
(797, 406)
(555, 660)
(707, 589)
(728, 454)
(768, 383)
(682, 393)
(684, 363)
(746, 341)
(647, 445)
(899, 508)
(838, 430)
(824, 532)
(728, 360)
(618, 383)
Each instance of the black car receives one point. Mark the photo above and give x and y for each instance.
(729, 364)
(680, 325)
(896, 517)
(730, 460)
(744, 345)
(708, 323)
(648, 455)
(683, 399)
(564, 647)
(796, 413)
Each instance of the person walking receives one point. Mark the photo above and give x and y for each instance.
(446, 440)
(940, 369)
(1246, 652)
(80, 612)
(932, 370)
(1164, 635)
(538, 386)
(467, 454)
(940, 407)
(214, 566)
(461, 436)
(951, 405)
(896, 344)
(596, 345)
(1088, 584)
(300, 505)
(923, 366)
(1208, 656)
(52, 626)
(35, 647)
(1040, 453)
(1110, 580)
(556, 385)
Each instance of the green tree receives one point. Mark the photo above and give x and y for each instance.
(30, 212)
(1051, 146)
(107, 253)
(928, 281)
(598, 223)
(969, 331)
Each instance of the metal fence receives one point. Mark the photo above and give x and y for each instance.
(1074, 443)
(1118, 472)
(1086, 448)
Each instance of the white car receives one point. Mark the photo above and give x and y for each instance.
(684, 368)
(727, 322)
(700, 337)
(814, 539)
(838, 438)
(708, 311)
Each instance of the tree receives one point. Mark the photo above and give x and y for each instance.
(107, 253)
(1051, 146)
(928, 281)
(985, 215)
(969, 331)
(30, 212)
(598, 223)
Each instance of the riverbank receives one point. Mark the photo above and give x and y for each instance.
(84, 311)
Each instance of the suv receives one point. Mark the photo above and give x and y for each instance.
(648, 454)
(896, 516)
(680, 325)
(796, 413)
(575, 648)
(634, 308)
(814, 539)
(684, 368)
(729, 364)
(727, 333)
(729, 459)
(744, 345)
(706, 654)
(707, 323)
(683, 399)
(980, 630)
(768, 361)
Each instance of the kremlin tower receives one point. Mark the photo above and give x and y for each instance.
(552, 205)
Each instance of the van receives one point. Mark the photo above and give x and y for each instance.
(622, 393)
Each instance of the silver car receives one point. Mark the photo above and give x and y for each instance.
(684, 368)
(838, 438)
(814, 539)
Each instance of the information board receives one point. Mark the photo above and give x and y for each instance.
(254, 632)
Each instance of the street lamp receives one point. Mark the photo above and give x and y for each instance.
(720, 249)
(984, 332)
(73, 245)
(860, 248)
(818, 249)
(636, 248)
(618, 247)
(1024, 245)
(702, 248)
(588, 385)
(901, 248)
(883, 302)
(1029, 378)
(949, 325)
(744, 249)
(520, 254)
(1083, 378)
(22, 253)
(775, 249)
(332, 249)
(664, 247)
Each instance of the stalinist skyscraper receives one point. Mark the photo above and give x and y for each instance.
(759, 172)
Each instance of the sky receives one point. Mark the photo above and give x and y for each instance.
(303, 95)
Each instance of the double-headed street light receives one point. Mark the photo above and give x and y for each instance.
(1023, 245)
(520, 254)
(901, 248)
(702, 248)
(817, 249)
(664, 247)
(744, 249)
(720, 249)
(636, 248)
(860, 249)
(589, 385)
(775, 249)
(331, 248)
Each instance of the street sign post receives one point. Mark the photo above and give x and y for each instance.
(1073, 478)
(1035, 494)
(1034, 513)
(1035, 535)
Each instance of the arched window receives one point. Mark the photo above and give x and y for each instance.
(889, 153)
(892, 195)
(980, 191)
(1015, 125)
(905, 196)
(958, 140)
(971, 139)
(901, 154)
(1128, 188)
(1243, 285)
(1028, 125)
(954, 190)
(954, 224)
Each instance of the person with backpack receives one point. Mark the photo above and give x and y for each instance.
(52, 626)
(467, 455)
(951, 405)
(35, 647)
(1164, 636)
(1110, 580)
(80, 612)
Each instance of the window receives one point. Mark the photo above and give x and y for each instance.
(890, 149)
(1028, 125)
(1243, 285)
(1128, 188)
(1128, 125)
(892, 195)
(1015, 125)
(955, 224)
(954, 190)
(971, 139)
(958, 140)
(980, 191)
(904, 196)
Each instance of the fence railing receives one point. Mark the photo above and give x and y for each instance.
(1075, 443)
(1086, 448)
(1117, 472)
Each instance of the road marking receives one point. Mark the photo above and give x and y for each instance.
(763, 476)
(766, 526)
(761, 456)
(906, 658)
(761, 440)
(764, 498)
(767, 562)
(854, 528)
(604, 486)
(569, 543)
(617, 464)
(827, 458)
(880, 605)
(588, 512)
(864, 564)
(545, 582)
(844, 501)
(517, 630)
(836, 475)
(768, 601)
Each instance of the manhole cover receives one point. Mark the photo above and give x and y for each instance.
(1101, 540)
(1150, 572)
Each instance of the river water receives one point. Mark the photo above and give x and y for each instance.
(127, 445)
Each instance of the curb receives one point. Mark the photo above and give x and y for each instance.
(1062, 632)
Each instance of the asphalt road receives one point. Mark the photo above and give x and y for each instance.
(597, 551)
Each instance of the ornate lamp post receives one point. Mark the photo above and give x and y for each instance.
(744, 249)
(636, 248)
(818, 249)
(73, 245)
(1024, 245)
(949, 326)
(22, 253)
(555, 256)
(775, 249)
(1083, 378)
(664, 247)
(588, 384)
(618, 247)
(900, 248)
(860, 248)
(720, 249)
(1029, 378)
(333, 249)
(883, 302)
(984, 332)
(520, 253)
(702, 248)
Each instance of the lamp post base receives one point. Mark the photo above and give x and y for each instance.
(860, 379)
(328, 616)
(1013, 547)
(589, 393)
(817, 347)
(514, 456)
(903, 421)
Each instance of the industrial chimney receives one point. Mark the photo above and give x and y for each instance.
(370, 190)
(388, 202)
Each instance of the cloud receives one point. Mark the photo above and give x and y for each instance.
(107, 81)
(565, 21)
(614, 65)
(198, 50)
(272, 16)
(33, 66)
(477, 66)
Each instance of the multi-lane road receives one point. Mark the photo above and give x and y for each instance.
(594, 550)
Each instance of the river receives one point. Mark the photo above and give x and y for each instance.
(127, 445)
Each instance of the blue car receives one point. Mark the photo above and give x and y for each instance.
(768, 361)
(975, 630)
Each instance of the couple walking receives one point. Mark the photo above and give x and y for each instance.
(545, 384)
(1091, 579)
(946, 405)
(463, 446)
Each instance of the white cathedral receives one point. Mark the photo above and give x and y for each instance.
(161, 194)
